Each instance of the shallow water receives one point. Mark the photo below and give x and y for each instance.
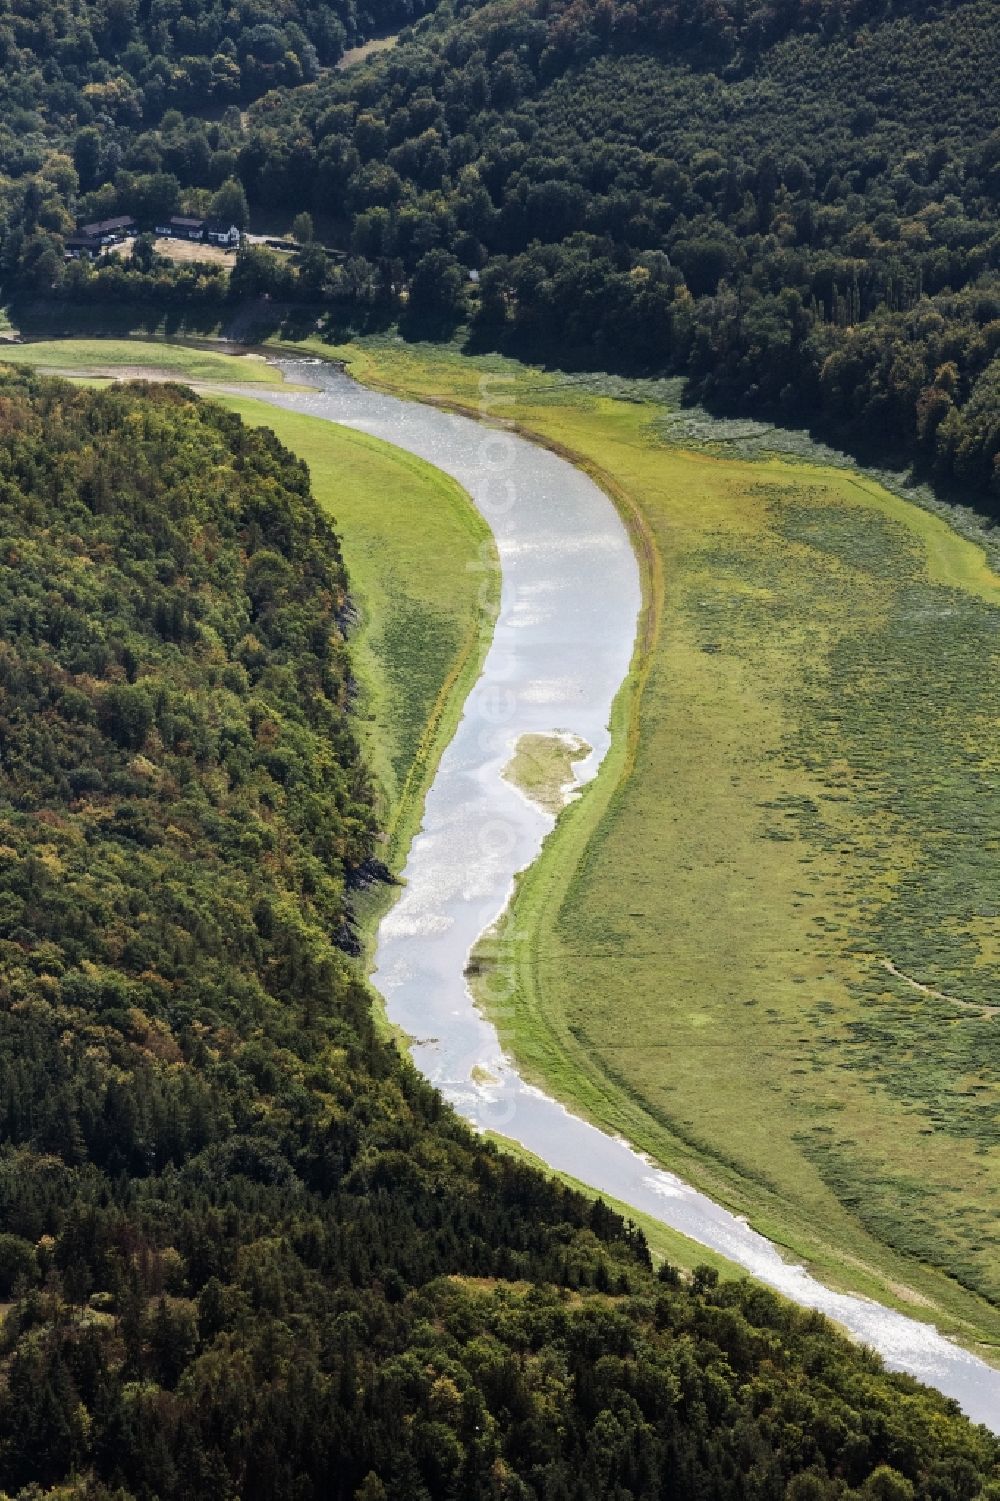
(562, 645)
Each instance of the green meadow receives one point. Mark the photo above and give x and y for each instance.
(182, 362)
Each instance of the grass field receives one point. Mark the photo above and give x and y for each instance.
(190, 252)
(94, 356)
(809, 793)
(367, 49)
(181, 252)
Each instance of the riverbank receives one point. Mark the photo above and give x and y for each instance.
(399, 519)
(618, 431)
(425, 588)
(725, 1104)
(128, 357)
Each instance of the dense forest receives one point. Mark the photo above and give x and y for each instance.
(124, 102)
(795, 205)
(246, 1251)
(72, 65)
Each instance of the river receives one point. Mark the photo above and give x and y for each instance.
(562, 645)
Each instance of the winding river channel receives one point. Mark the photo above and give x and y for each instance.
(561, 649)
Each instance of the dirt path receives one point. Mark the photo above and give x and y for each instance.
(939, 995)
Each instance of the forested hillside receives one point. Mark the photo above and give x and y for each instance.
(796, 209)
(245, 1250)
(142, 98)
(795, 206)
(127, 61)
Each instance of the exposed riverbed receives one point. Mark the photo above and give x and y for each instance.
(563, 641)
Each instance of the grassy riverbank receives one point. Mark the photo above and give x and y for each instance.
(182, 362)
(425, 584)
(808, 793)
(665, 1244)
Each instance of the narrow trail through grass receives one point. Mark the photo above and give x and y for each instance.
(938, 995)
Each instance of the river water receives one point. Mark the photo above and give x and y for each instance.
(569, 605)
